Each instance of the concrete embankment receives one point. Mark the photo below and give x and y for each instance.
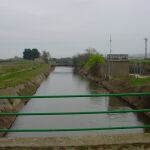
(28, 88)
(97, 142)
(138, 102)
(117, 86)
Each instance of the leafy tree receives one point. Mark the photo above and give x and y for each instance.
(31, 54)
(90, 61)
(93, 60)
(35, 53)
(27, 54)
(93, 63)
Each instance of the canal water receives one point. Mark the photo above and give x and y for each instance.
(64, 81)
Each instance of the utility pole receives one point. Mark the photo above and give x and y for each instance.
(110, 44)
(146, 47)
(109, 61)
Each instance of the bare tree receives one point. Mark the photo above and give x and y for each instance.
(46, 56)
(91, 51)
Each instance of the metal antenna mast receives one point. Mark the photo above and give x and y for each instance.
(109, 61)
(146, 47)
(110, 44)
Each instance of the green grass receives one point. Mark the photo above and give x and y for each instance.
(13, 74)
(139, 81)
(133, 81)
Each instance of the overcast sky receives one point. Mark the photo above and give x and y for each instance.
(67, 27)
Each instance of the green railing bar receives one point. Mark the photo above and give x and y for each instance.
(82, 95)
(72, 113)
(72, 129)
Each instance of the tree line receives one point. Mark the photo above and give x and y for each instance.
(32, 54)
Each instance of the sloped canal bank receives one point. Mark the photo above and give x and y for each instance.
(63, 81)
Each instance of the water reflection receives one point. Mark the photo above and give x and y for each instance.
(63, 81)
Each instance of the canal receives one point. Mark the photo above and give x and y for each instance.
(63, 81)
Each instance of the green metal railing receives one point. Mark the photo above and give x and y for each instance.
(73, 113)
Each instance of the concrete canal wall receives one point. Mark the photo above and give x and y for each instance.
(118, 86)
(28, 88)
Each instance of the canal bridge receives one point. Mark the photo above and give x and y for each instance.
(122, 141)
(63, 65)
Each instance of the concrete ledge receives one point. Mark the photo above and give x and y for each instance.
(123, 142)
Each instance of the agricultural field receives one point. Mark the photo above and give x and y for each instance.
(17, 72)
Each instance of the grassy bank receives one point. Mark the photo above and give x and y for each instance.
(15, 73)
(19, 78)
(140, 81)
(134, 81)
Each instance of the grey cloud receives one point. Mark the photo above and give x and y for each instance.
(67, 27)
